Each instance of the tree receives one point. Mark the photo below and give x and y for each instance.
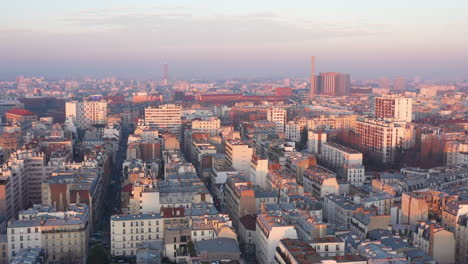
(303, 143)
(98, 255)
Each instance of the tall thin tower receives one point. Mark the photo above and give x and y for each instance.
(165, 71)
(313, 86)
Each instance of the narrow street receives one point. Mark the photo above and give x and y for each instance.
(112, 202)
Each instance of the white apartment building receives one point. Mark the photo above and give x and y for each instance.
(259, 171)
(165, 118)
(347, 162)
(456, 153)
(328, 246)
(239, 156)
(277, 115)
(394, 106)
(22, 175)
(293, 131)
(88, 112)
(269, 231)
(63, 234)
(315, 139)
(380, 139)
(320, 182)
(336, 156)
(210, 125)
(129, 231)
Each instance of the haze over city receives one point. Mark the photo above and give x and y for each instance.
(233, 132)
(233, 39)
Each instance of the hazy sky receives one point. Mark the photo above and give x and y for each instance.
(233, 38)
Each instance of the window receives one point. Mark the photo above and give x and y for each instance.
(326, 248)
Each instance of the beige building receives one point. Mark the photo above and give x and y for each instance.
(331, 122)
(416, 206)
(320, 182)
(435, 241)
(452, 212)
(63, 234)
(212, 125)
(238, 156)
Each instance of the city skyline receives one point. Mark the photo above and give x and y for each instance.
(220, 40)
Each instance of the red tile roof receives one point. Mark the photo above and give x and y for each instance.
(21, 112)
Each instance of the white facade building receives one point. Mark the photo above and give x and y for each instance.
(395, 107)
(315, 139)
(293, 131)
(270, 230)
(129, 231)
(347, 162)
(90, 111)
(277, 115)
(259, 171)
(165, 118)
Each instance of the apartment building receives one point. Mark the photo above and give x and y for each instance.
(130, 231)
(239, 199)
(331, 122)
(239, 156)
(380, 139)
(328, 246)
(87, 112)
(259, 171)
(270, 229)
(320, 182)
(347, 162)
(293, 131)
(338, 210)
(164, 118)
(315, 139)
(278, 116)
(394, 106)
(436, 242)
(211, 125)
(21, 176)
(63, 234)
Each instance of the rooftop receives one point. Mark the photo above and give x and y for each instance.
(21, 112)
